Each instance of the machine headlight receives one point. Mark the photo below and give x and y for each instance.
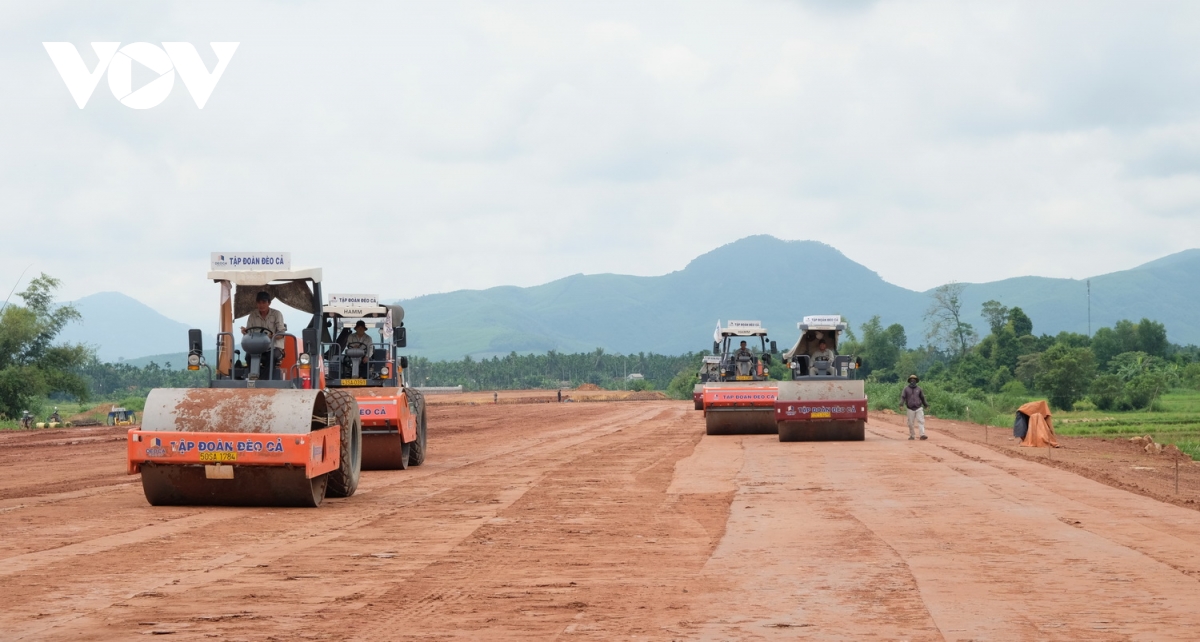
(384, 372)
(193, 362)
(304, 359)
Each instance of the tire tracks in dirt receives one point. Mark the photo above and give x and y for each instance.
(314, 532)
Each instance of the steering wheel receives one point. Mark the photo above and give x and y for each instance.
(261, 330)
(364, 346)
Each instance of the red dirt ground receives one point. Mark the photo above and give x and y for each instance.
(614, 520)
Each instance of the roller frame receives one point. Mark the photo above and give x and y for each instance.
(821, 419)
(740, 409)
(318, 452)
(388, 427)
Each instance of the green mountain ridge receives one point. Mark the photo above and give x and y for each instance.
(758, 277)
(777, 282)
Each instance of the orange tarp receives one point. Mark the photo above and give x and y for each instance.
(1041, 431)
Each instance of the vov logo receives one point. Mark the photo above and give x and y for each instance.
(118, 61)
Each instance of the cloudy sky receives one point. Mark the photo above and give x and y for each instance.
(422, 147)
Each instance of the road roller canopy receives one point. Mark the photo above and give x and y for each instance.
(743, 329)
(813, 330)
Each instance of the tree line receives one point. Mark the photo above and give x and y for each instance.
(1126, 366)
(554, 369)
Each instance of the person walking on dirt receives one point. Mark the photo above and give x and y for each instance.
(560, 395)
(913, 399)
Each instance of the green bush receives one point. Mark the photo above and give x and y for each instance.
(1106, 391)
(683, 383)
(1065, 374)
(1144, 388)
(1083, 405)
(1014, 388)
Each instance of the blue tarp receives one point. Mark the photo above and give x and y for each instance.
(1020, 425)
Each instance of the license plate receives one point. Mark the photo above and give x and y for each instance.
(743, 378)
(354, 382)
(820, 415)
(219, 455)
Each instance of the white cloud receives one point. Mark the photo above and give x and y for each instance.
(484, 144)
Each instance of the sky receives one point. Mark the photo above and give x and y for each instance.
(419, 147)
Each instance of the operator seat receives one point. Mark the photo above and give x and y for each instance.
(744, 365)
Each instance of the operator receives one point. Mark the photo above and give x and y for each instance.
(267, 317)
(361, 337)
(743, 352)
(823, 353)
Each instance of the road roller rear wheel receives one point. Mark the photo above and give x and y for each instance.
(416, 449)
(344, 407)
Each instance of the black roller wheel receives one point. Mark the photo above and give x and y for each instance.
(344, 407)
(416, 452)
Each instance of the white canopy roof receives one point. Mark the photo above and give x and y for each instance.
(744, 332)
(355, 310)
(263, 277)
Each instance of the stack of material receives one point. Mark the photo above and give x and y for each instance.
(1033, 427)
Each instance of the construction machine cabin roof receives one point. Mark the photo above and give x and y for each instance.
(830, 322)
(264, 277)
(743, 329)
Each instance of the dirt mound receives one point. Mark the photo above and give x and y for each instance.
(589, 387)
(647, 395)
(93, 416)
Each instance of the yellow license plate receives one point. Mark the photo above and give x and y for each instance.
(820, 415)
(220, 455)
(743, 378)
(354, 382)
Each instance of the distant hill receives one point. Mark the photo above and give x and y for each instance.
(758, 277)
(777, 282)
(119, 327)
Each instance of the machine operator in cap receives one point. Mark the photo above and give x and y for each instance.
(264, 316)
(363, 339)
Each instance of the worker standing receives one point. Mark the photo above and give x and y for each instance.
(913, 400)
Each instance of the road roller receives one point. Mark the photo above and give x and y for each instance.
(823, 399)
(361, 345)
(265, 430)
(708, 369)
(739, 397)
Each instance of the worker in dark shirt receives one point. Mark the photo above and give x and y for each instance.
(913, 400)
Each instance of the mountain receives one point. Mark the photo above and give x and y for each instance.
(758, 277)
(119, 327)
(777, 282)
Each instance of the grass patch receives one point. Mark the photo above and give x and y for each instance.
(1173, 419)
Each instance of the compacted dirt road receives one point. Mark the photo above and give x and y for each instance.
(603, 521)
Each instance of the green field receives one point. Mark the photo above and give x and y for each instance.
(1173, 419)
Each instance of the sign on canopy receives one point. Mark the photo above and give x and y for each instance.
(251, 261)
